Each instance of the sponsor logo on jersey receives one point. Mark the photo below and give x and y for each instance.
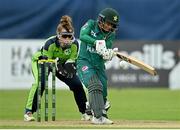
(84, 68)
(91, 49)
(93, 33)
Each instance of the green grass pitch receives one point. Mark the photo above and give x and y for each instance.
(126, 104)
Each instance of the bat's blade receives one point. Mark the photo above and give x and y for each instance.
(137, 63)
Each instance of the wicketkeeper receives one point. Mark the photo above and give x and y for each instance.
(63, 46)
(96, 48)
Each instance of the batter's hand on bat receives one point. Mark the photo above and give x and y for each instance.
(109, 53)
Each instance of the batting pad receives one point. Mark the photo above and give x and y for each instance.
(96, 96)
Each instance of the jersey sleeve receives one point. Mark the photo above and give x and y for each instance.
(86, 31)
(48, 49)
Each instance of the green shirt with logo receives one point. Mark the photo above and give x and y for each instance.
(53, 50)
(89, 33)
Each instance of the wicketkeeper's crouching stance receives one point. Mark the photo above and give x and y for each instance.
(64, 47)
(96, 48)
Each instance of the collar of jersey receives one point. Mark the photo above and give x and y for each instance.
(57, 42)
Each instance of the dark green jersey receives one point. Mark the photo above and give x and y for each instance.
(89, 33)
(53, 50)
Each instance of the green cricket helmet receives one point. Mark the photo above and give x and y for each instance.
(109, 15)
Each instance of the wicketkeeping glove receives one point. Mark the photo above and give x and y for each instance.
(61, 70)
(70, 68)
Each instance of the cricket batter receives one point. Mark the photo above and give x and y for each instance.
(63, 46)
(95, 49)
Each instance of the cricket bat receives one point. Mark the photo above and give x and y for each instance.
(136, 62)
